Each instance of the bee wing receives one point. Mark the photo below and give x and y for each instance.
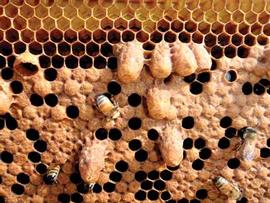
(248, 150)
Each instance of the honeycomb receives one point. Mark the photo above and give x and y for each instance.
(50, 116)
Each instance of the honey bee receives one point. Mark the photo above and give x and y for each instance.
(247, 148)
(230, 189)
(109, 108)
(52, 175)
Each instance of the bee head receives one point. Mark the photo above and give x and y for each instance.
(249, 133)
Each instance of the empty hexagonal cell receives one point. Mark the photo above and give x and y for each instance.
(266, 29)
(5, 48)
(114, 36)
(92, 49)
(99, 36)
(251, 17)
(238, 16)
(11, 10)
(77, 23)
(128, 36)
(264, 17)
(149, 26)
(84, 12)
(259, 6)
(245, 6)
(224, 39)
(243, 51)
(211, 16)
(42, 35)
(197, 37)
(64, 48)
(205, 5)
(250, 40)
(92, 24)
(256, 28)
(163, 25)
(232, 5)
(99, 12)
(35, 48)
(63, 23)
(84, 36)
(34, 23)
(86, 62)
(4, 23)
(113, 12)
(230, 28)
(41, 11)
(237, 39)
(170, 14)
(142, 14)
(156, 14)
(204, 27)
(69, 11)
(217, 27)
(48, 23)
(106, 24)
(170, 36)
(156, 37)
(149, 46)
(27, 35)
(26, 11)
(263, 39)
(184, 37)
(217, 52)
(243, 28)
(177, 26)
(198, 15)
(184, 14)
(230, 51)
(218, 5)
(120, 24)
(19, 47)
(142, 36)
(210, 40)
(190, 26)
(57, 61)
(19, 23)
(49, 48)
(71, 62)
(100, 62)
(56, 35)
(128, 13)
(78, 49)
(70, 36)
(135, 25)
(224, 16)
(106, 49)
(12, 35)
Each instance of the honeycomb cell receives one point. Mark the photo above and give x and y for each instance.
(5, 48)
(237, 39)
(217, 52)
(210, 40)
(230, 51)
(243, 51)
(32, 2)
(128, 13)
(69, 11)
(230, 28)
(156, 14)
(218, 5)
(49, 23)
(19, 23)
(99, 12)
(245, 6)
(190, 26)
(177, 26)
(256, 28)
(26, 11)
(86, 62)
(63, 23)
(263, 39)
(128, 36)
(120, 24)
(27, 35)
(76, 3)
(106, 49)
(170, 37)
(142, 14)
(77, 23)
(142, 36)
(11, 10)
(243, 28)
(149, 26)
(205, 5)
(258, 6)
(148, 46)
(84, 12)
(92, 24)
(106, 24)
(78, 49)
(170, 14)
(184, 37)
(163, 25)
(57, 61)
(49, 48)
(198, 15)
(156, 37)
(42, 35)
(17, 2)
(266, 29)
(34, 23)
(44, 61)
(238, 16)
(41, 11)
(35, 48)
(264, 17)
(92, 49)
(100, 62)
(19, 47)
(204, 27)
(191, 5)
(5, 23)
(114, 36)
(211, 16)
(113, 12)
(56, 35)
(12, 35)
(85, 36)
(224, 16)
(251, 17)
(4, 2)
(249, 40)
(71, 62)
(135, 25)
(70, 36)
(224, 39)
(232, 5)
(197, 37)
(184, 14)
(99, 36)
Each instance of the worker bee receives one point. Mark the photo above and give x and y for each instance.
(247, 148)
(230, 189)
(52, 175)
(109, 108)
